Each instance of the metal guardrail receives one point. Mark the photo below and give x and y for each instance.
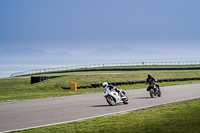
(104, 65)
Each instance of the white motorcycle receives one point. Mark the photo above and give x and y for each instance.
(113, 97)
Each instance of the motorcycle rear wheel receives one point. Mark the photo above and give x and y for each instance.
(111, 100)
(125, 101)
(159, 93)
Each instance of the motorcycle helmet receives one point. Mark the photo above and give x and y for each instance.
(149, 76)
(105, 84)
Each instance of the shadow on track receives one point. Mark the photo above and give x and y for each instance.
(142, 98)
(100, 106)
(107, 105)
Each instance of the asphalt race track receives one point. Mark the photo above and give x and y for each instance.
(51, 111)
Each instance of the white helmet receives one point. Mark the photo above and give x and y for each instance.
(105, 84)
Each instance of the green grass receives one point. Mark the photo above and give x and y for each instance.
(64, 72)
(86, 78)
(18, 89)
(181, 118)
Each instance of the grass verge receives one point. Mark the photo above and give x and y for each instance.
(18, 89)
(178, 118)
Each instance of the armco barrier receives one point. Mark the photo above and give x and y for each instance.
(132, 82)
(92, 66)
(36, 79)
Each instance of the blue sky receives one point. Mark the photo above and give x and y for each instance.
(82, 26)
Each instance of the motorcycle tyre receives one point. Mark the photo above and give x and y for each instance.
(108, 98)
(125, 101)
(151, 93)
(159, 93)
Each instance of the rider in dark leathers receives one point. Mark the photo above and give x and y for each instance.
(150, 80)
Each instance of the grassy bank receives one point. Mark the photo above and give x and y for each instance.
(64, 72)
(20, 88)
(181, 118)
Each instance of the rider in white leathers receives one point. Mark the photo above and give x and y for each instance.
(105, 85)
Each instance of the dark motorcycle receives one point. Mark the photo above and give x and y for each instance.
(154, 91)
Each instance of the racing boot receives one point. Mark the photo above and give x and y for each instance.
(122, 95)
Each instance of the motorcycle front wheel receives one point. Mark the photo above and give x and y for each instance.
(111, 100)
(151, 93)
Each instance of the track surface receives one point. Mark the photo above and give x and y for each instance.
(42, 112)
